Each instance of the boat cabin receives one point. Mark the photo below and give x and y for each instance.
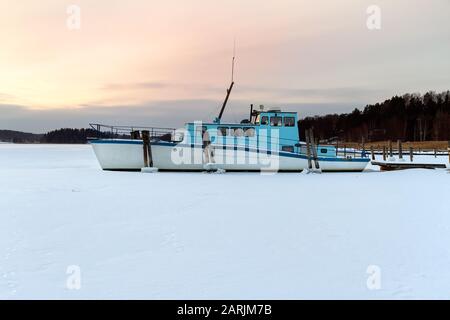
(269, 127)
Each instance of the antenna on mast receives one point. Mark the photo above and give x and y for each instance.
(234, 57)
(217, 120)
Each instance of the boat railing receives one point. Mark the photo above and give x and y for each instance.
(133, 132)
(174, 135)
(350, 153)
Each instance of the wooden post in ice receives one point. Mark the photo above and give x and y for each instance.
(146, 143)
(308, 149)
(390, 149)
(384, 153)
(147, 149)
(314, 148)
(400, 149)
(411, 154)
(372, 152)
(363, 147)
(435, 152)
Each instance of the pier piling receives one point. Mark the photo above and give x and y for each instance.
(363, 147)
(148, 160)
(308, 149)
(148, 157)
(400, 149)
(146, 141)
(314, 145)
(391, 153)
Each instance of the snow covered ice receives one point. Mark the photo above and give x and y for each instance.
(217, 236)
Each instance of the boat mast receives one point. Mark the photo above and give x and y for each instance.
(229, 89)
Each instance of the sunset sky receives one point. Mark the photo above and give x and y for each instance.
(163, 63)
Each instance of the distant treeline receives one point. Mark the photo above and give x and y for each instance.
(65, 135)
(19, 137)
(74, 136)
(411, 117)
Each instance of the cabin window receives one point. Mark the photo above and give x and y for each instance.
(275, 121)
(289, 121)
(287, 148)
(323, 150)
(238, 132)
(264, 120)
(249, 132)
(222, 131)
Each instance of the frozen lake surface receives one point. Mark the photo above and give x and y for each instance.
(208, 236)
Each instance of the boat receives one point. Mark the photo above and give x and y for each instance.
(267, 141)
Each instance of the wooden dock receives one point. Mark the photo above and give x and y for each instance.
(390, 166)
(389, 163)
